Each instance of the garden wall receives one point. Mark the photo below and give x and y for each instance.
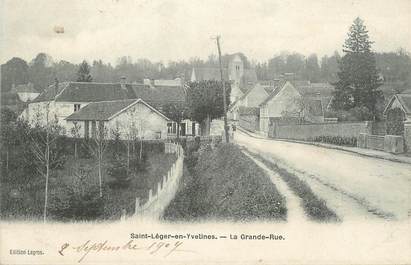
(311, 131)
(388, 143)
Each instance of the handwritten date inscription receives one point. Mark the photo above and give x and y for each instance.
(162, 248)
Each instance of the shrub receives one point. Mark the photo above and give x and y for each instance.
(395, 122)
(78, 201)
(119, 174)
(337, 140)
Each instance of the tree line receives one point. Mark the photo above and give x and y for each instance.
(395, 67)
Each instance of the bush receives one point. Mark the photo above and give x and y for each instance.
(77, 201)
(119, 174)
(395, 122)
(337, 140)
(68, 204)
(354, 114)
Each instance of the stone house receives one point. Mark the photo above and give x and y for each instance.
(292, 102)
(65, 98)
(129, 118)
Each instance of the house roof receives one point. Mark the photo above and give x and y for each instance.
(158, 96)
(107, 110)
(404, 100)
(307, 88)
(26, 88)
(95, 92)
(248, 110)
(209, 73)
(275, 90)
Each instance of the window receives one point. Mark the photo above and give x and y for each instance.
(169, 127)
(93, 129)
(77, 107)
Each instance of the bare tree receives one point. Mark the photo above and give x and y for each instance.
(97, 146)
(43, 145)
(75, 132)
(142, 125)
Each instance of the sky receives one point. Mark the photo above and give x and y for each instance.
(166, 30)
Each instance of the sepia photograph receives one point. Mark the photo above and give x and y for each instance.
(205, 132)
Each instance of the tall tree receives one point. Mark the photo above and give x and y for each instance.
(358, 77)
(83, 73)
(64, 71)
(13, 72)
(41, 72)
(205, 102)
(312, 69)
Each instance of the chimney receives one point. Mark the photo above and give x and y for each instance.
(123, 80)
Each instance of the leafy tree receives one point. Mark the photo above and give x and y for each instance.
(14, 72)
(64, 71)
(312, 69)
(40, 71)
(205, 102)
(83, 73)
(177, 112)
(358, 77)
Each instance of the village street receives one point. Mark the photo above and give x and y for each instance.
(354, 187)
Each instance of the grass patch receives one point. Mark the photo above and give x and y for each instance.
(315, 208)
(224, 184)
(28, 201)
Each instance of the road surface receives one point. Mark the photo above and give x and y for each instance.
(353, 186)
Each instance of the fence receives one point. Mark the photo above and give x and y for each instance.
(311, 131)
(166, 188)
(388, 143)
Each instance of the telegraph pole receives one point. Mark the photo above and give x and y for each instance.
(224, 93)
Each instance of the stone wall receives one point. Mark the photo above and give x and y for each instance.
(388, 143)
(310, 131)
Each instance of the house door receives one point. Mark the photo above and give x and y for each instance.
(193, 128)
(183, 129)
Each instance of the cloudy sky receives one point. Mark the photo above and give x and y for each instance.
(178, 29)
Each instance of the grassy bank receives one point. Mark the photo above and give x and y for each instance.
(315, 208)
(25, 201)
(224, 184)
